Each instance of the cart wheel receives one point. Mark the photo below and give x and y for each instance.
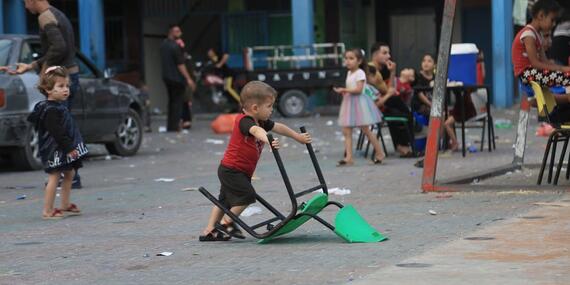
(293, 103)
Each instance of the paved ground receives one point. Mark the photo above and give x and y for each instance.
(532, 249)
(129, 217)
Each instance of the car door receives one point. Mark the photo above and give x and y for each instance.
(100, 97)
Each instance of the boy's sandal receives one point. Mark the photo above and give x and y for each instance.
(214, 235)
(55, 215)
(230, 229)
(72, 210)
(343, 162)
(377, 161)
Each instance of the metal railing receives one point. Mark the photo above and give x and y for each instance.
(314, 55)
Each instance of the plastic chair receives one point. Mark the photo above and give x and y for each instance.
(348, 224)
(546, 104)
(388, 119)
(483, 118)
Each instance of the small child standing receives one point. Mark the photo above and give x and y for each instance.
(242, 154)
(357, 109)
(60, 143)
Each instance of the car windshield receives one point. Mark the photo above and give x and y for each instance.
(5, 47)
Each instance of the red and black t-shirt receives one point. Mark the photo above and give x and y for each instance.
(244, 150)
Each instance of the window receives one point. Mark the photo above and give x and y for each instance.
(5, 48)
(84, 70)
(30, 52)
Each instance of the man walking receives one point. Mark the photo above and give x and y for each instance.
(175, 76)
(58, 48)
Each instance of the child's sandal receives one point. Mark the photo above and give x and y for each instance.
(343, 162)
(214, 235)
(230, 229)
(72, 210)
(55, 215)
(377, 161)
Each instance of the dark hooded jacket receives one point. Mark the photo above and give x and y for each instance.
(58, 134)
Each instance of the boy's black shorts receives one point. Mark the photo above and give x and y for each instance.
(236, 189)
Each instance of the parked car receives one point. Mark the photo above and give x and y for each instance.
(107, 111)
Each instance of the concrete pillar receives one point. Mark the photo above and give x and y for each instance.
(503, 89)
(92, 31)
(1, 17)
(15, 17)
(303, 23)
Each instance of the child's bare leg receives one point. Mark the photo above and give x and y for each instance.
(347, 132)
(236, 210)
(66, 188)
(215, 216)
(49, 193)
(451, 133)
(375, 143)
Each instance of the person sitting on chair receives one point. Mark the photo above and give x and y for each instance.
(220, 59)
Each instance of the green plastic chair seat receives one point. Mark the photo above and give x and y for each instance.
(314, 206)
(396, 119)
(351, 226)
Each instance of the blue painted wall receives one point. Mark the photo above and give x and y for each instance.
(503, 89)
(302, 12)
(15, 20)
(91, 31)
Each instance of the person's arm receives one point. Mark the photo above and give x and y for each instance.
(248, 127)
(424, 99)
(56, 51)
(392, 67)
(535, 61)
(223, 60)
(54, 126)
(356, 90)
(182, 69)
(378, 82)
(384, 97)
(180, 60)
(282, 129)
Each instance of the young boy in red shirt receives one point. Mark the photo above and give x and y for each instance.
(242, 154)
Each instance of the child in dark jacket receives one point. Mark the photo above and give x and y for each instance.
(60, 143)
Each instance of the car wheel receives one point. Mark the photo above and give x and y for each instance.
(128, 136)
(28, 156)
(293, 103)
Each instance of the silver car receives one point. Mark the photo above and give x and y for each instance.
(107, 111)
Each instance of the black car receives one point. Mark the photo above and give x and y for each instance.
(107, 111)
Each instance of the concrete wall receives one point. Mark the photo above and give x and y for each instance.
(157, 90)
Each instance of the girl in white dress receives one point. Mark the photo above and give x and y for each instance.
(357, 109)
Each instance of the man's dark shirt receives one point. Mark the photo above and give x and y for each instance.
(172, 55)
(57, 39)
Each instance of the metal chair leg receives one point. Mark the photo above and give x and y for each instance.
(552, 157)
(483, 136)
(360, 141)
(544, 158)
(568, 167)
(368, 143)
(561, 161)
(491, 126)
